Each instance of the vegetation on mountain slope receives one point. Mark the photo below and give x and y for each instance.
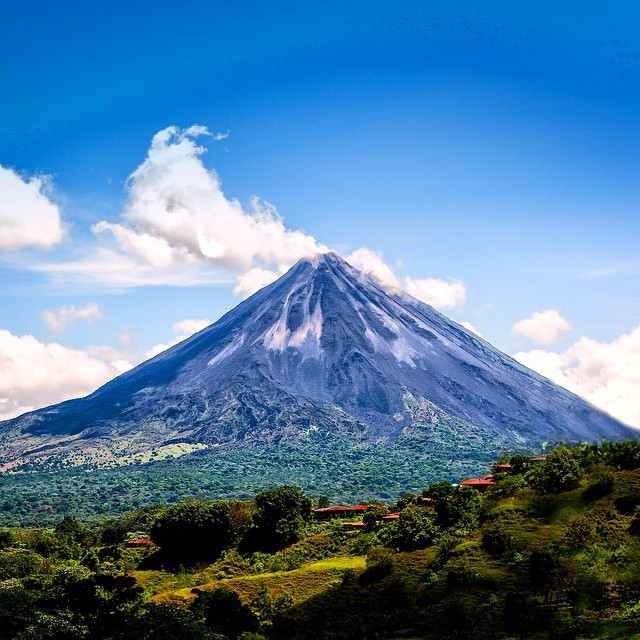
(322, 464)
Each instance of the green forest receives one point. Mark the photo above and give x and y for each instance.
(550, 550)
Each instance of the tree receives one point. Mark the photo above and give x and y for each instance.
(6, 539)
(460, 510)
(561, 470)
(190, 532)
(439, 491)
(281, 517)
(380, 563)
(415, 529)
(372, 520)
(167, 622)
(625, 455)
(112, 532)
(224, 613)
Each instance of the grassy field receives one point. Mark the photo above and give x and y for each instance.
(301, 584)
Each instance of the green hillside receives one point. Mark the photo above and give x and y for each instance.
(550, 550)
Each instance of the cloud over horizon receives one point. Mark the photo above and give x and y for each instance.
(35, 374)
(607, 374)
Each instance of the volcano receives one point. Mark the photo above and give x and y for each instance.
(325, 348)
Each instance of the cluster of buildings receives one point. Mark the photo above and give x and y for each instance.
(342, 511)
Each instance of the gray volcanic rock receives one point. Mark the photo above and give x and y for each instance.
(324, 347)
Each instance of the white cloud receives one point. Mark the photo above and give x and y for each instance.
(182, 330)
(441, 294)
(177, 216)
(34, 374)
(27, 217)
(543, 327)
(60, 319)
(373, 263)
(115, 270)
(254, 280)
(607, 374)
(178, 228)
(470, 327)
(190, 326)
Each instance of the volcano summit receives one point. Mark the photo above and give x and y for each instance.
(326, 350)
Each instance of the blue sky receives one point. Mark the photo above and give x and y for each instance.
(493, 146)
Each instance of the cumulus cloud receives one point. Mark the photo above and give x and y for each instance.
(28, 218)
(177, 214)
(179, 228)
(34, 374)
(254, 280)
(607, 374)
(59, 320)
(190, 326)
(442, 294)
(543, 327)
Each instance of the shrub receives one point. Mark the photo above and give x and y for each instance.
(496, 540)
(380, 564)
(601, 482)
(224, 613)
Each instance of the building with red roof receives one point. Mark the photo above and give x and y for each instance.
(479, 484)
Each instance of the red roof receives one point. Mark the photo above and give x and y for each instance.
(476, 481)
(392, 516)
(137, 542)
(357, 508)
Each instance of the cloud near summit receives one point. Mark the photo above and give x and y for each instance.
(177, 216)
(179, 228)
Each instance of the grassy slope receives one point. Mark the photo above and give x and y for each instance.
(595, 593)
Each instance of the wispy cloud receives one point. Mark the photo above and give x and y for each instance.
(59, 320)
(628, 267)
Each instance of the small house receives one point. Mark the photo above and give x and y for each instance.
(479, 484)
